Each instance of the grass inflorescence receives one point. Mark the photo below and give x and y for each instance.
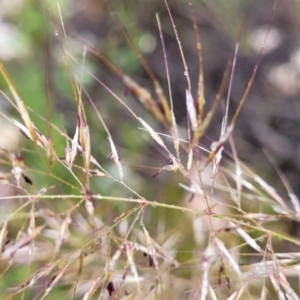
(109, 196)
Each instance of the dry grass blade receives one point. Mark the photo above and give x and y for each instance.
(151, 250)
(115, 157)
(238, 293)
(50, 149)
(212, 294)
(200, 92)
(20, 103)
(96, 284)
(24, 240)
(55, 279)
(145, 98)
(3, 236)
(43, 273)
(264, 292)
(217, 148)
(190, 161)
(253, 75)
(84, 138)
(290, 293)
(137, 90)
(157, 87)
(238, 172)
(276, 286)
(71, 153)
(272, 192)
(132, 265)
(226, 253)
(186, 72)
(141, 94)
(80, 267)
(153, 133)
(202, 128)
(294, 199)
(208, 258)
(296, 203)
(63, 233)
(84, 135)
(173, 120)
(191, 110)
